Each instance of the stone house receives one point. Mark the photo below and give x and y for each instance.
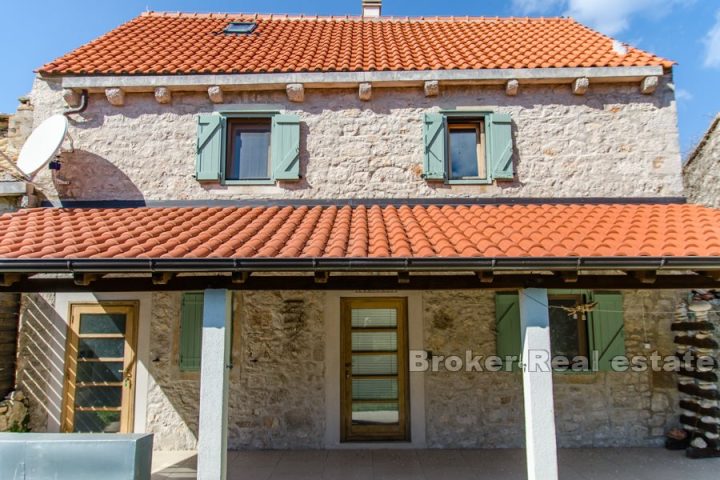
(263, 224)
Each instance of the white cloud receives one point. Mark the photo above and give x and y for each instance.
(535, 7)
(613, 16)
(712, 44)
(608, 16)
(683, 95)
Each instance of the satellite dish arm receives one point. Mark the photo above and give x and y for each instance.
(16, 171)
(82, 107)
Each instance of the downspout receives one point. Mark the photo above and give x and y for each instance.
(82, 107)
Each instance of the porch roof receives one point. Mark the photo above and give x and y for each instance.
(398, 245)
(616, 236)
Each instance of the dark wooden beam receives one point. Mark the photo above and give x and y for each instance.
(9, 279)
(239, 278)
(485, 276)
(322, 278)
(403, 278)
(714, 274)
(84, 279)
(162, 278)
(360, 282)
(569, 277)
(647, 277)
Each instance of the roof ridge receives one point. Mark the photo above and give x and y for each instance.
(302, 16)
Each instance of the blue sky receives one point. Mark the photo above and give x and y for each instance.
(33, 32)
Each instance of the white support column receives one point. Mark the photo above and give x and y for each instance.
(212, 435)
(541, 447)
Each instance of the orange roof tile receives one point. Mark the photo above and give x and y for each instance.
(372, 231)
(161, 43)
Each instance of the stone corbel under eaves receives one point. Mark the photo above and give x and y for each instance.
(431, 82)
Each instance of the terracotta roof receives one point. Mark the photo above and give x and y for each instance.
(162, 43)
(477, 231)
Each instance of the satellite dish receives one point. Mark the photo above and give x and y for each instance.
(42, 144)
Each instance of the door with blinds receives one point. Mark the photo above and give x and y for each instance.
(374, 380)
(100, 368)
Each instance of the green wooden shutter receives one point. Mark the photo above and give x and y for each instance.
(285, 150)
(191, 319)
(211, 131)
(435, 148)
(507, 326)
(500, 146)
(605, 328)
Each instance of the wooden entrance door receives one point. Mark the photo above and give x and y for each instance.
(374, 399)
(100, 365)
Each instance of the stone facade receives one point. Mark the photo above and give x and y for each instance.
(9, 310)
(701, 174)
(277, 380)
(12, 135)
(612, 142)
(485, 410)
(41, 351)
(277, 385)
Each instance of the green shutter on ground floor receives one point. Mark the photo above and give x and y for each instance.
(507, 326)
(606, 334)
(605, 326)
(191, 319)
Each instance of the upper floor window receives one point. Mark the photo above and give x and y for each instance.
(248, 152)
(248, 148)
(468, 147)
(466, 143)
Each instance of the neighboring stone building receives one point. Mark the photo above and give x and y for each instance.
(363, 202)
(701, 172)
(12, 190)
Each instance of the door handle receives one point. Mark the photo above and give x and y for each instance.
(348, 370)
(127, 376)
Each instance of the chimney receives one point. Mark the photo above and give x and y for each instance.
(371, 8)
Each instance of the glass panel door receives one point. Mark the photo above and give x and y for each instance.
(100, 369)
(374, 339)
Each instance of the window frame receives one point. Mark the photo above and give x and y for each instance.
(467, 117)
(605, 326)
(230, 117)
(582, 326)
(480, 147)
(234, 124)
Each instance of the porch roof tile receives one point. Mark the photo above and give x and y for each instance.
(370, 231)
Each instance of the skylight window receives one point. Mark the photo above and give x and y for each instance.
(243, 28)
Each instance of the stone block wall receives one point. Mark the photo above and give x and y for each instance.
(612, 142)
(9, 303)
(701, 175)
(41, 352)
(9, 310)
(485, 410)
(277, 383)
(276, 397)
